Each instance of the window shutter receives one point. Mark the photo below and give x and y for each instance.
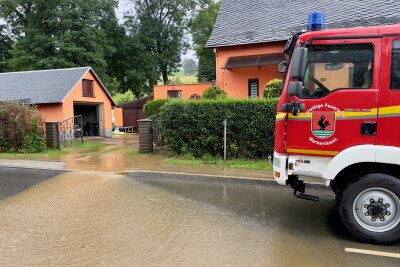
(253, 88)
(87, 88)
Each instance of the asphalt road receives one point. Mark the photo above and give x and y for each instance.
(83, 219)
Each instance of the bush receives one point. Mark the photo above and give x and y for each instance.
(195, 127)
(21, 128)
(153, 108)
(273, 89)
(214, 92)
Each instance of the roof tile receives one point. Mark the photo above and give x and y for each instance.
(242, 22)
(40, 87)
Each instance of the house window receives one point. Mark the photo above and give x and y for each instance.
(254, 88)
(174, 93)
(395, 72)
(87, 86)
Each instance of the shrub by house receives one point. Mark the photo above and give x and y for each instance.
(195, 127)
(215, 92)
(273, 89)
(21, 128)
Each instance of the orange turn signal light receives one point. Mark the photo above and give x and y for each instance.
(277, 174)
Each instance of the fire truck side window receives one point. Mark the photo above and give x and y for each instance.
(334, 67)
(395, 75)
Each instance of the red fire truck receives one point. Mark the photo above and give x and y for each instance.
(339, 120)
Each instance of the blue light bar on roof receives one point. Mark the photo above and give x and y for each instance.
(316, 21)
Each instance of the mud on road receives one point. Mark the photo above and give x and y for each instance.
(87, 219)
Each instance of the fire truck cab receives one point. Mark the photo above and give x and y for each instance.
(339, 119)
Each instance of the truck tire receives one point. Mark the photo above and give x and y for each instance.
(369, 207)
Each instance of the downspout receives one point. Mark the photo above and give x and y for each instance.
(216, 66)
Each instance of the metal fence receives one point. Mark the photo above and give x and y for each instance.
(70, 132)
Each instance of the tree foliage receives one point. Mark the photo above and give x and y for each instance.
(161, 28)
(60, 33)
(5, 47)
(53, 34)
(189, 66)
(123, 98)
(201, 27)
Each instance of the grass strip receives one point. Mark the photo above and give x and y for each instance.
(262, 165)
(49, 153)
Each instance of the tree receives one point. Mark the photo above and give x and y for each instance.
(189, 66)
(17, 14)
(161, 28)
(5, 47)
(123, 98)
(201, 27)
(61, 33)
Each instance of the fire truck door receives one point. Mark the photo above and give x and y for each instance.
(389, 101)
(340, 93)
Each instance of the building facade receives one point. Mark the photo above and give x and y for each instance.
(62, 94)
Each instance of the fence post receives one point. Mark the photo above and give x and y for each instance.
(52, 135)
(225, 123)
(145, 136)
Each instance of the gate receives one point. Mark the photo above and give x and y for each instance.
(70, 132)
(157, 135)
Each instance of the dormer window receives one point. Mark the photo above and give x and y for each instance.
(87, 87)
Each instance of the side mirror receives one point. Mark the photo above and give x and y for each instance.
(282, 67)
(295, 88)
(299, 63)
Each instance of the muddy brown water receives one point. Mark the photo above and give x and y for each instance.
(112, 158)
(91, 219)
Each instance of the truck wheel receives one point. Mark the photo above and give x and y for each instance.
(369, 207)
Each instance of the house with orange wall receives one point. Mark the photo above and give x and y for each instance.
(249, 36)
(61, 94)
(184, 91)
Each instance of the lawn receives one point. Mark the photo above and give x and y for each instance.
(53, 154)
(89, 145)
(48, 154)
(184, 79)
(262, 165)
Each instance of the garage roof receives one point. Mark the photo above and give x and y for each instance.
(43, 86)
(242, 22)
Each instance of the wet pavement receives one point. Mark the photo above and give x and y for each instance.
(88, 219)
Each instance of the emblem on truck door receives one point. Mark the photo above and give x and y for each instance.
(323, 124)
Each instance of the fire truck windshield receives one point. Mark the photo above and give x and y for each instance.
(333, 67)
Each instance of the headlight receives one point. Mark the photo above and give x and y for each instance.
(277, 162)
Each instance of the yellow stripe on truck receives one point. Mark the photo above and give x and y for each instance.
(389, 111)
(312, 152)
(281, 116)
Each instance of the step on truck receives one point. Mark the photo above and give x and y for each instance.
(338, 119)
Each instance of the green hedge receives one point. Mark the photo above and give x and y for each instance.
(195, 127)
(153, 108)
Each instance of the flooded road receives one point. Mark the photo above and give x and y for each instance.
(112, 158)
(88, 219)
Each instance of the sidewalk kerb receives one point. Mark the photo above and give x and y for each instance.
(207, 177)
